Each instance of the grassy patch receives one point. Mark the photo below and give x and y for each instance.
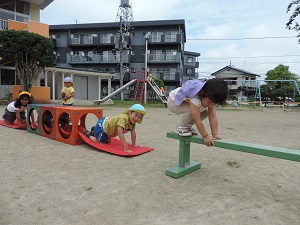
(234, 164)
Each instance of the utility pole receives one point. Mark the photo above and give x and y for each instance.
(146, 65)
(121, 55)
(124, 16)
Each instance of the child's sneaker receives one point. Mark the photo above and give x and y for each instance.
(87, 133)
(192, 130)
(183, 131)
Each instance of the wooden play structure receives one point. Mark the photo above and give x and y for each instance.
(186, 165)
(60, 122)
(66, 124)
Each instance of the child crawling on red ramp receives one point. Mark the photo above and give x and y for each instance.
(108, 127)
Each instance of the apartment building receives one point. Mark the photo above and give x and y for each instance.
(19, 15)
(156, 47)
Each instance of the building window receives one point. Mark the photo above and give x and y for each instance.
(22, 7)
(190, 59)
(171, 36)
(7, 77)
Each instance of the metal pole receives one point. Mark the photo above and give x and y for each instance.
(121, 56)
(146, 58)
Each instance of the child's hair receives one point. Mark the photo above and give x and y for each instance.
(216, 90)
(23, 94)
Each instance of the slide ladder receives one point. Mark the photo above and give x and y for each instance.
(115, 92)
(139, 91)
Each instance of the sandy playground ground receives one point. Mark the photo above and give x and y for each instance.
(48, 182)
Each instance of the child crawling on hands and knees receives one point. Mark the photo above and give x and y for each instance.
(108, 127)
(196, 100)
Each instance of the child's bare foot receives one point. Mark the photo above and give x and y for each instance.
(127, 150)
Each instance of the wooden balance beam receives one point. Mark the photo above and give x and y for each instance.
(186, 165)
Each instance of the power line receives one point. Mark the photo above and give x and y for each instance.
(236, 18)
(240, 63)
(251, 57)
(236, 39)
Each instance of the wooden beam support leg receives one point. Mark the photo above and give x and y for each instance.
(185, 165)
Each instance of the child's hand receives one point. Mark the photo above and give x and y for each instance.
(209, 141)
(216, 136)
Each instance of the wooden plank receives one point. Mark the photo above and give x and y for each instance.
(281, 153)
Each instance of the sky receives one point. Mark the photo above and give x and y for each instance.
(249, 35)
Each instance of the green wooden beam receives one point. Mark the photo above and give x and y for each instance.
(281, 153)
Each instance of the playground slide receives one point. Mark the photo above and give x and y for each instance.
(156, 89)
(115, 92)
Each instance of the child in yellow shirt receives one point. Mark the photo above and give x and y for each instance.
(113, 126)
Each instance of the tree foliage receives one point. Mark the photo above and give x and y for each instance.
(280, 87)
(292, 24)
(29, 51)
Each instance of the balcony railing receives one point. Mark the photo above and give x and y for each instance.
(96, 58)
(88, 40)
(164, 38)
(164, 58)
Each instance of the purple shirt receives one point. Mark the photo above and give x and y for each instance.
(188, 90)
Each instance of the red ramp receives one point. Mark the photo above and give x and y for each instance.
(15, 125)
(115, 146)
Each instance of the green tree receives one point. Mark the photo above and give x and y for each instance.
(279, 88)
(29, 52)
(292, 24)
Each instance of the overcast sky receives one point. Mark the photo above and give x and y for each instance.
(251, 35)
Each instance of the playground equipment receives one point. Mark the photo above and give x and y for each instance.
(186, 165)
(115, 92)
(59, 122)
(258, 91)
(138, 91)
(67, 124)
(158, 92)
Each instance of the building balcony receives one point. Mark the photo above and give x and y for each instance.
(96, 59)
(164, 58)
(91, 41)
(165, 39)
(193, 63)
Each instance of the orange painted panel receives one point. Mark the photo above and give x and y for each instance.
(38, 28)
(40, 94)
(16, 25)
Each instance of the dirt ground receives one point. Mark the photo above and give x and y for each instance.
(48, 182)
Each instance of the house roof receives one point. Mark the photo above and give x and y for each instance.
(226, 68)
(110, 25)
(78, 71)
(192, 53)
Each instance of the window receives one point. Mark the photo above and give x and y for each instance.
(156, 36)
(7, 77)
(190, 59)
(22, 7)
(170, 36)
